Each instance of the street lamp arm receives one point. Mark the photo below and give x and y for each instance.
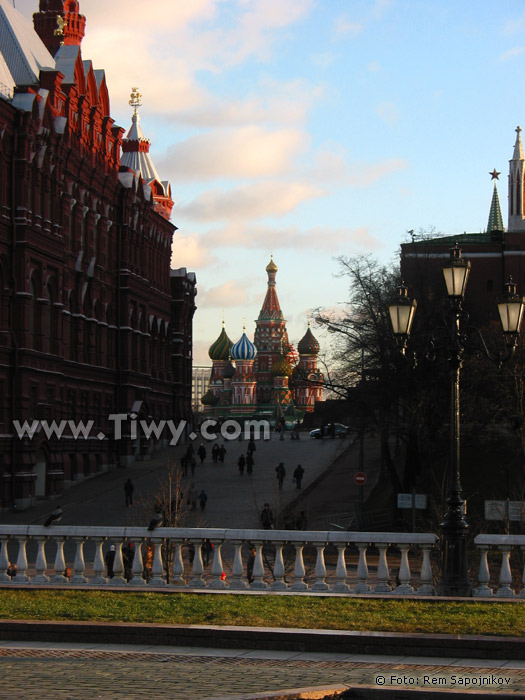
(499, 357)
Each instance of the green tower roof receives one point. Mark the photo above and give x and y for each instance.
(495, 219)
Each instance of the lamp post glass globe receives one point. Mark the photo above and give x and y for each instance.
(456, 273)
(402, 312)
(510, 309)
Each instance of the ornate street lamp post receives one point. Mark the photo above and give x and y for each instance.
(454, 579)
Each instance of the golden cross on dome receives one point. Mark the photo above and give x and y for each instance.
(61, 25)
(494, 174)
(244, 323)
(136, 99)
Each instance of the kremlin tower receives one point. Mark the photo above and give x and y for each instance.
(269, 376)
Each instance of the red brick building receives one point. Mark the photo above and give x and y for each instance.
(93, 321)
(495, 254)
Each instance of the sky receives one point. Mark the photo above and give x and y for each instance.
(311, 129)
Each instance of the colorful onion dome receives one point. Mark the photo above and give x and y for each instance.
(308, 344)
(209, 398)
(229, 372)
(271, 267)
(281, 367)
(243, 349)
(220, 350)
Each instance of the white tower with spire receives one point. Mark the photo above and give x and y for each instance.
(517, 186)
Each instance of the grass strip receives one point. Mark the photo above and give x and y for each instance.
(386, 615)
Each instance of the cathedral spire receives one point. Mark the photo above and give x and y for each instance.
(271, 307)
(495, 222)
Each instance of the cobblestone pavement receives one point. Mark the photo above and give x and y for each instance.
(75, 672)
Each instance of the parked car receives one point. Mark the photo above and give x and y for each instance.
(335, 429)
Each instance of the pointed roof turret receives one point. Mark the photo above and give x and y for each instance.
(495, 222)
(271, 308)
(136, 157)
(59, 23)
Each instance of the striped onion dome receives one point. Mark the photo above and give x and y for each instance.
(220, 350)
(308, 344)
(281, 367)
(243, 349)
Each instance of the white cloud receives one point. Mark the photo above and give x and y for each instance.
(250, 151)
(388, 112)
(188, 251)
(374, 67)
(260, 199)
(330, 166)
(226, 295)
(344, 27)
(325, 239)
(512, 53)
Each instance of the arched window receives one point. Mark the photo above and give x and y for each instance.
(48, 320)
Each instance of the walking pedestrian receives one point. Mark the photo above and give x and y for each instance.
(250, 562)
(128, 491)
(215, 453)
(281, 473)
(298, 475)
(203, 499)
(192, 497)
(110, 561)
(201, 452)
(222, 453)
(267, 517)
(241, 462)
(251, 446)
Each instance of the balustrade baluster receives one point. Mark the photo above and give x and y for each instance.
(258, 568)
(157, 569)
(21, 562)
(79, 565)
(341, 573)
(320, 568)
(177, 570)
(217, 567)
(383, 571)
(60, 563)
(137, 568)
(426, 587)
(198, 568)
(505, 574)
(362, 570)
(98, 563)
(4, 559)
(238, 581)
(41, 563)
(299, 572)
(404, 587)
(484, 573)
(279, 572)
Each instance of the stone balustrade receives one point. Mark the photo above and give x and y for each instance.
(285, 560)
(504, 544)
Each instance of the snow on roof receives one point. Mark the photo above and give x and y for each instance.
(23, 52)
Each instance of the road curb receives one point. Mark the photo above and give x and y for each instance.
(230, 637)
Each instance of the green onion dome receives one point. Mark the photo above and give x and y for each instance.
(308, 344)
(209, 398)
(220, 350)
(281, 367)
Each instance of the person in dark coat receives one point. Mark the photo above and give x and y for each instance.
(281, 473)
(201, 452)
(203, 497)
(298, 475)
(267, 517)
(222, 454)
(251, 446)
(215, 453)
(128, 490)
(241, 462)
(110, 561)
(128, 555)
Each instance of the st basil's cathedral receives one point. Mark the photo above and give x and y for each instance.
(267, 377)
